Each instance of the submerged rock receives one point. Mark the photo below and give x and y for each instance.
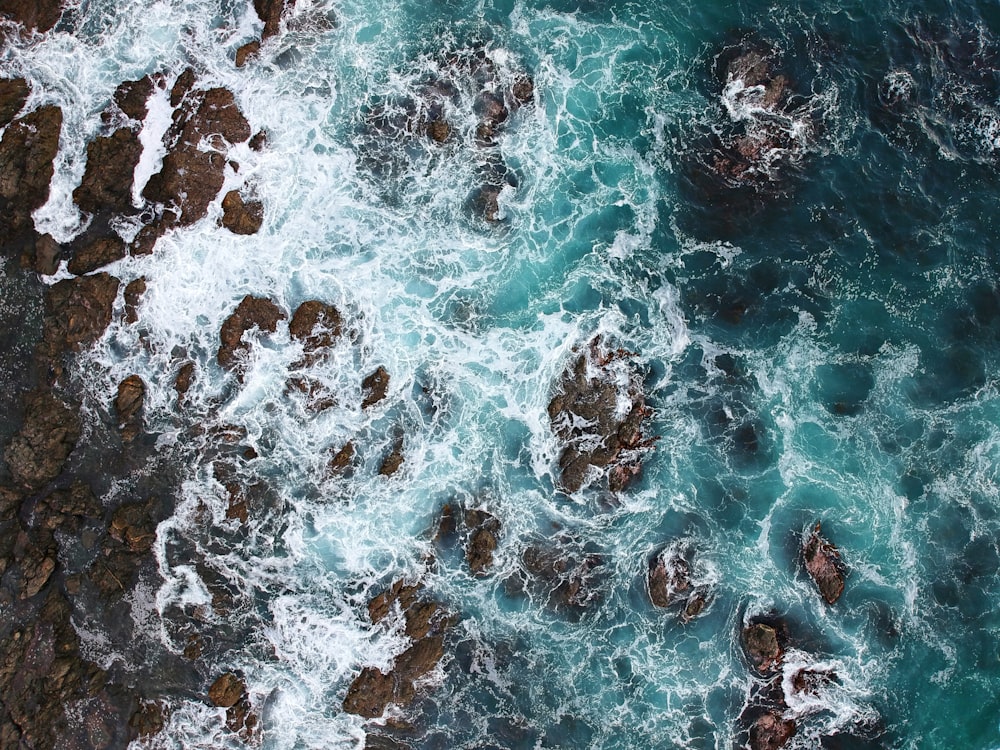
(252, 312)
(771, 731)
(479, 533)
(564, 574)
(185, 376)
(824, 565)
(393, 461)
(128, 406)
(342, 459)
(375, 387)
(426, 623)
(588, 418)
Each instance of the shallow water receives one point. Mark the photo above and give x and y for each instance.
(822, 350)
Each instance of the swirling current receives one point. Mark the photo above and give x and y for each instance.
(775, 222)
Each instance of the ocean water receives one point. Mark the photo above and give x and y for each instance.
(819, 347)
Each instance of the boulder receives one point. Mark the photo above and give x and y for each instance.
(13, 94)
(247, 52)
(96, 254)
(185, 377)
(132, 97)
(133, 296)
(393, 461)
(77, 312)
(27, 150)
(771, 731)
(106, 187)
(37, 452)
(762, 644)
(270, 12)
(128, 406)
(586, 417)
(669, 578)
(227, 690)
(316, 325)
(375, 387)
(239, 216)
(564, 574)
(824, 565)
(482, 543)
(342, 459)
(252, 312)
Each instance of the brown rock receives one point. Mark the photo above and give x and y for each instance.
(47, 252)
(27, 150)
(438, 130)
(239, 216)
(247, 52)
(482, 541)
(227, 690)
(316, 324)
(184, 379)
(133, 526)
(133, 295)
(760, 641)
(149, 719)
(107, 181)
(252, 312)
(771, 731)
(370, 693)
(259, 141)
(393, 461)
(270, 12)
(40, 15)
(37, 452)
(77, 311)
(824, 565)
(523, 90)
(128, 406)
(13, 94)
(132, 97)
(342, 458)
(375, 387)
(669, 579)
(96, 254)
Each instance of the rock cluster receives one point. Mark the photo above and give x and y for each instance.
(426, 624)
(670, 582)
(599, 436)
(478, 531)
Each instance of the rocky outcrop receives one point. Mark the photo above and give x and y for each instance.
(13, 94)
(426, 623)
(182, 383)
(27, 151)
(562, 573)
(598, 436)
(33, 15)
(823, 563)
(375, 387)
(252, 313)
(128, 407)
(771, 731)
(132, 97)
(270, 12)
(762, 645)
(37, 452)
(133, 296)
(393, 461)
(670, 582)
(316, 325)
(97, 253)
(77, 312)
(106, 187)
(240, 216)
(478, 532)
(230, 692)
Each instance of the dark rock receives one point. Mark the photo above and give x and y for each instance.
(247, 52)
(96, 254)
(182, 86)
(239, 216)
(810, 681)
(316, 324)
(184, 379)
(27, 151)
(37, 452)
(227, 690)
(77, 311)
(523, 90)
(34, 563)
(370, 693)
(149, 719)
(490, 108)
(252, 312)
(824, 565)
(585, 417)
(482, 540)
(318, 396)
(128, 406)
(762, 645)
(133, 526)
(771, 731)
(486, 203)
(132, 97)
(106, 187)
(33, 15)
(393, 461)
(259, 141)
(67, 507)
(47, 253)
(438, 130)
(13, 94)
(375, 387)
(342, 459)
(133, 296)
(270, 12)
(564, 575)
(669, 578)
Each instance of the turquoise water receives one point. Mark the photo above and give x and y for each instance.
(822, 349)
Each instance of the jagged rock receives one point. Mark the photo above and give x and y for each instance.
(77, 311)
(132, 97)
(482, 541)
(47, 252)
(252, 312)
(227, 690)
(270, 12)
(33, 15)
(438, 130)
(149, 719)
(133, 526)
(128, 406)
(393, 461)
(762, 645)
(586, 417)
(259, 141)
(13, 94)
(669, 579)
(247, 52)
(426, 624)
(27, 151)
(34, 562)
(66, 508)
(341, 459)
(239, 216)
(523, 90)
(316, 325)
(564, 574)
(133, 295)
(96, 254)
(37, 452)
(824, 565)
(184, 379)
(375, 387)
(106, 187)
(771, 731)
(318, 396)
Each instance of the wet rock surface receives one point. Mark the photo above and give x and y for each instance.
(33, 15)
(240, 216)
(128, 407)
(426, 623)
(13, 94)
(762, 644)
(824, 565)
(476, 530)
(106, 187)
(599, 437)
(36, 454)
(252, 312)
(672, 582)
(564, 573)
(27, 151)
(375, 387)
